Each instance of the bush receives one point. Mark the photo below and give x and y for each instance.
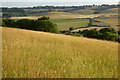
(46, 26)
(118, 39)
(108, 29)
(26, 24)
(44, 18)
(110, 35)
(93, 33)
(0, 22)
(113, 37)
(3, 24)
(71, 28)
(119, 32)
(76, 34)
(9, 22)
(68, 33)
(73, 34)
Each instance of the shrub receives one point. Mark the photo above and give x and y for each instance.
(119, 32)
(118, 39)
(73, 34)
(71, 28)
(93, 33)
(108, 29)
(46, 26)
(26, 24)
(44, 18)
(113, 37)
(9, 22)
(110, 35)
(3, 24)
(68, 33)
(76, 34)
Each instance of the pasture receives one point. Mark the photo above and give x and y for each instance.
(65, 24)
(60, 15)
(110, 21)
(32, 54)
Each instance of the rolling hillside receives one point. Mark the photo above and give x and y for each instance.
(61, 15)
(31, 54)
(112, 21)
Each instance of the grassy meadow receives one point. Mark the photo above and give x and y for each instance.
(65, 24)
(32, 54)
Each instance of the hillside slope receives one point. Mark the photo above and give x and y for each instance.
(31, 54)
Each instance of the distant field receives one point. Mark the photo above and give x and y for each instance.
(65, 20)
(84, 11)
(60, 15)
(66, 15)
(27, 17)
(113, 10)
(37, 10)
(87, 10)
(31, 54)
(111, 21)
(65, 24)
(77, 30)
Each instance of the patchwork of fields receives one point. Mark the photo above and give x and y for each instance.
(66, 20)
(65, 15)
(60, 16)
(31, 54)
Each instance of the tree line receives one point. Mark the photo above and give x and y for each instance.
(62, 7)
(11, 12)
(41, 24)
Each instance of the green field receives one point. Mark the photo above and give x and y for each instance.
(65, 24)
(32, 54)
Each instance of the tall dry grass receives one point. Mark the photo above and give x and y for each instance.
(30, 54)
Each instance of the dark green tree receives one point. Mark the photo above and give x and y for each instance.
(9, 22)
(26, 24)
(108, 29)
(44, 18)
(110, 36)
(46, 26)
(93, 33)
(71, 28)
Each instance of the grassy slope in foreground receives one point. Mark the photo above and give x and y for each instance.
(30, 54)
